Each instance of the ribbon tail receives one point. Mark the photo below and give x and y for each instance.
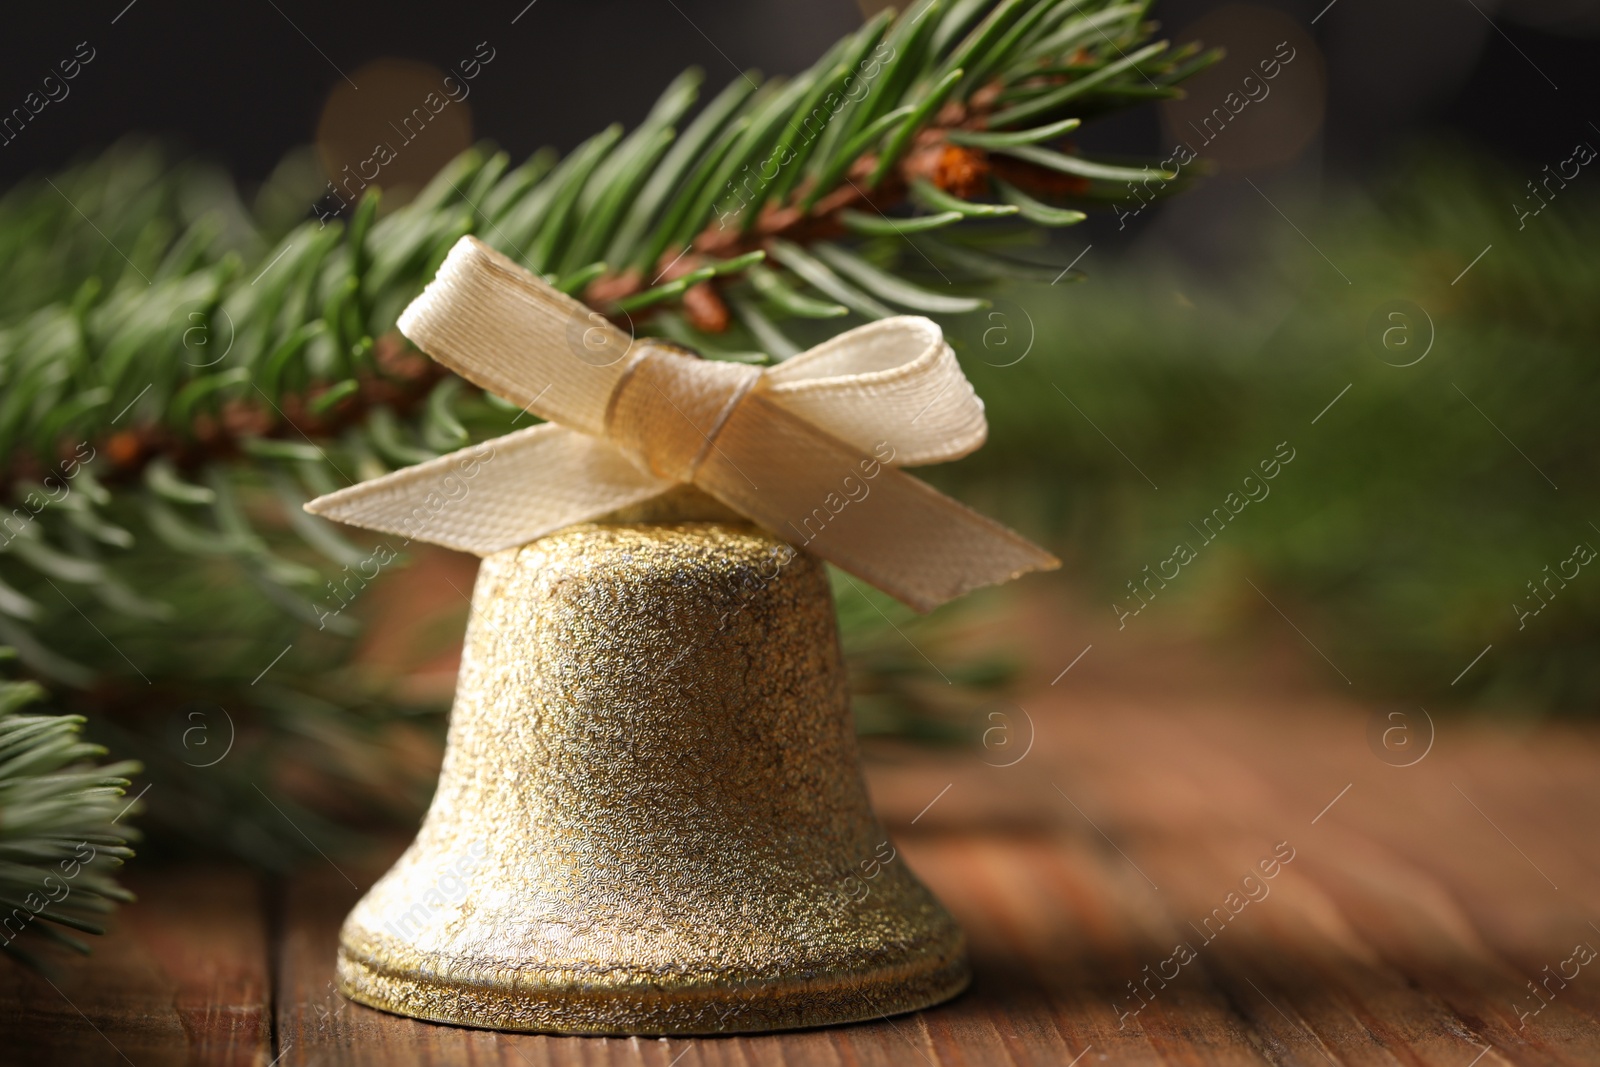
(850, 507)
(499, 494)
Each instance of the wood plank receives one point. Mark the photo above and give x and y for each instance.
(1385, 940)
(1188, 786)
(1419, 905)
(181, 978)
(316, 1025)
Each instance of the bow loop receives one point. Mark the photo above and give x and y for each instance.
(530, 343)
(895, 379)
(808, 449)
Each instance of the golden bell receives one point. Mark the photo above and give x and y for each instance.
(651, 817)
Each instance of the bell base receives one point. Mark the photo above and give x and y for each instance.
(660, 1008)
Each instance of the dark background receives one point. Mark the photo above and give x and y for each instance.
(244, 82)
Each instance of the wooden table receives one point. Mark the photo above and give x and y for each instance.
(1417, 911)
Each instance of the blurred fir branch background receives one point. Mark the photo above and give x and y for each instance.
(183, 369)
(184, 365)
(1420, 520)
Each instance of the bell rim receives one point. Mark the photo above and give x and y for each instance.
(921, 981)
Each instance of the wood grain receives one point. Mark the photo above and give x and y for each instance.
(182, 978)
(1418, 905)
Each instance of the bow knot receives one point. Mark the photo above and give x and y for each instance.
(808, 449)
(668, 408)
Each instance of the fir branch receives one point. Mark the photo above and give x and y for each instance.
(61, 828)
(181, 375)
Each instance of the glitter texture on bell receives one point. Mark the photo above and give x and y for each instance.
(651, 817)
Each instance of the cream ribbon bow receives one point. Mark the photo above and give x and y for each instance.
(807, 448)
